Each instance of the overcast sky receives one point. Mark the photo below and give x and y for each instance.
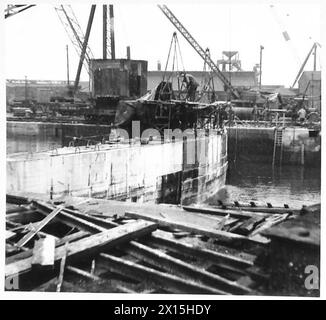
(35, 40)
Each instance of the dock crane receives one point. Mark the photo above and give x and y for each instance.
(202, 53)
(77, 37)
(312, 50)
(12, 9)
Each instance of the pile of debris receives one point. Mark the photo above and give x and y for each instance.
(132, 248)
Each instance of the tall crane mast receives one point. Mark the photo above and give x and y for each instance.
(74, 32)
(108, 32)
(167, 12)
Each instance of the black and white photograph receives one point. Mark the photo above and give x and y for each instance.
(159, 150)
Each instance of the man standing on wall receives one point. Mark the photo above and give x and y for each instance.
(191, 85)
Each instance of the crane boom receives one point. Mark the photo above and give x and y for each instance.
(11, 9)
(167, 12)
(304, 64)
(74, 31)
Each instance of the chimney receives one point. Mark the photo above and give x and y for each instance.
(128, 52)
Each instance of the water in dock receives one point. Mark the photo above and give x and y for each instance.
(292, 185)
(246, 180)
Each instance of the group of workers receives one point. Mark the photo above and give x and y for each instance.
(297, 114)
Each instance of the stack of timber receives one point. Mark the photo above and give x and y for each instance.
(91, 245)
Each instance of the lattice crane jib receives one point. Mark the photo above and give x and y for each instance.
(13, 9)
(74, 31)
(167, 12)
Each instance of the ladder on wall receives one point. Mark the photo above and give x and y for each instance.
(278, 146)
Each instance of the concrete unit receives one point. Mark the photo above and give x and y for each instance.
(138, 173)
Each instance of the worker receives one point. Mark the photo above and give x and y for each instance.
(191, 85)
(223, 115)
(302, 114)
(230, 112)
(255, 112)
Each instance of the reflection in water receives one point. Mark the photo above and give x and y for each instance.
(32, 143)
(293, 185)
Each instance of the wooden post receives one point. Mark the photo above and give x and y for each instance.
(43, 252)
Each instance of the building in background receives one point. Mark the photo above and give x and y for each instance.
(39, 90)
(310, 86)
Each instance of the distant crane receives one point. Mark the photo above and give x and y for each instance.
(74, 32)
(312, 50)
(12, 9)
(277, 17)
(227, 84)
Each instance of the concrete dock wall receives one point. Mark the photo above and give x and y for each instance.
(299, 145)
(125, 172)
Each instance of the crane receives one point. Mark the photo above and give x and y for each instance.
(12, 9)
(76, 35)
(168, 13)
(313, 49)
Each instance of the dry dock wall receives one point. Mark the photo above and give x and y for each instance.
(155, 172)
(299, 145)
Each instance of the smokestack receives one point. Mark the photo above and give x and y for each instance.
(128, 52)
(159, 65)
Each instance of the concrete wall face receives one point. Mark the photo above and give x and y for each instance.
(126, 172)
(299, 146)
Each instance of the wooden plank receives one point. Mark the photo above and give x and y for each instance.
(276, 219)
(139, 272)
(181, 268)
(298, 231)
(24, 217)
(105, 223)
(62, 268)
(10, 234)
(70, 238)
(68, 218)
(223, 212)
(17, 199)
(159, 237)
(83, 273)
(219, 234)
(43, 252)
(39, 226)
(90, 245)
(249, 225)
(249, 208)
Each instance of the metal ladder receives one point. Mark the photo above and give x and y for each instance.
(278, 145)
